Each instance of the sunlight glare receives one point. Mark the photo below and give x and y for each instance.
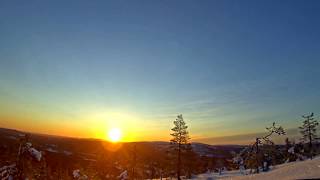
(115, 134)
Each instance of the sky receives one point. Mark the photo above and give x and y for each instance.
(80, 68)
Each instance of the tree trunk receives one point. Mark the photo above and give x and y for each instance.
(179, 161)
(310, 145)
(257, 153)
(310, 138)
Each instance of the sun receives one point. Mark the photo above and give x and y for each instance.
(114, 134)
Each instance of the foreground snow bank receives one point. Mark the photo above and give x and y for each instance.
(295, 170)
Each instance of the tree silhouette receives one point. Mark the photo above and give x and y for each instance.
(190, 160)
(309, 130)
(133, 161)
(254, 155)
(179, 141)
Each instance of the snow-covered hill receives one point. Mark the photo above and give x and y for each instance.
(295, 170)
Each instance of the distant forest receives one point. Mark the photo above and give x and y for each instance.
(35, 156)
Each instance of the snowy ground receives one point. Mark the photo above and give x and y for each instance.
(294, 170)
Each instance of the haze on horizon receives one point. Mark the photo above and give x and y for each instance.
(81, 68)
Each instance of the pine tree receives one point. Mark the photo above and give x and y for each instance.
(133, 161)
(254, 155)
(190, 160)
(309, 130)
(179, 141)
(287, 143)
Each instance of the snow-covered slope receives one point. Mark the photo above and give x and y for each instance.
(295, 170)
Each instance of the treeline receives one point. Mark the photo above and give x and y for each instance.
(149, 161)
(259, 155)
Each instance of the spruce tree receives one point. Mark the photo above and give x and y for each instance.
(309, 130)
(179, 141)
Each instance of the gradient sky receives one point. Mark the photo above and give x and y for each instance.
(79, 68)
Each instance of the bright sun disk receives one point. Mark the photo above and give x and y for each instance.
(114, 134)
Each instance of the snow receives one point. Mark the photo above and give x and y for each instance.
(52, 150)
(291, 150)
(12, 137)
(87, 159)
(35, 153)
(123, 175)
(28, 144)
(77, 175)
(211, 176)
(68, 153)
(6, 172)
(294, 170)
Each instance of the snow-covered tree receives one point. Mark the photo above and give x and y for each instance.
(289, 153)
(29, 163)
(180, 140)
(8, 172)
(309, 130)
(123, 175)
(254, 156)
(29, 160)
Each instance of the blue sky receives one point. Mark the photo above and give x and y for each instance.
(230, 67)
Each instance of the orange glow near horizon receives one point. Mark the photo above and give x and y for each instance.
(94, 122)
(87, 124)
